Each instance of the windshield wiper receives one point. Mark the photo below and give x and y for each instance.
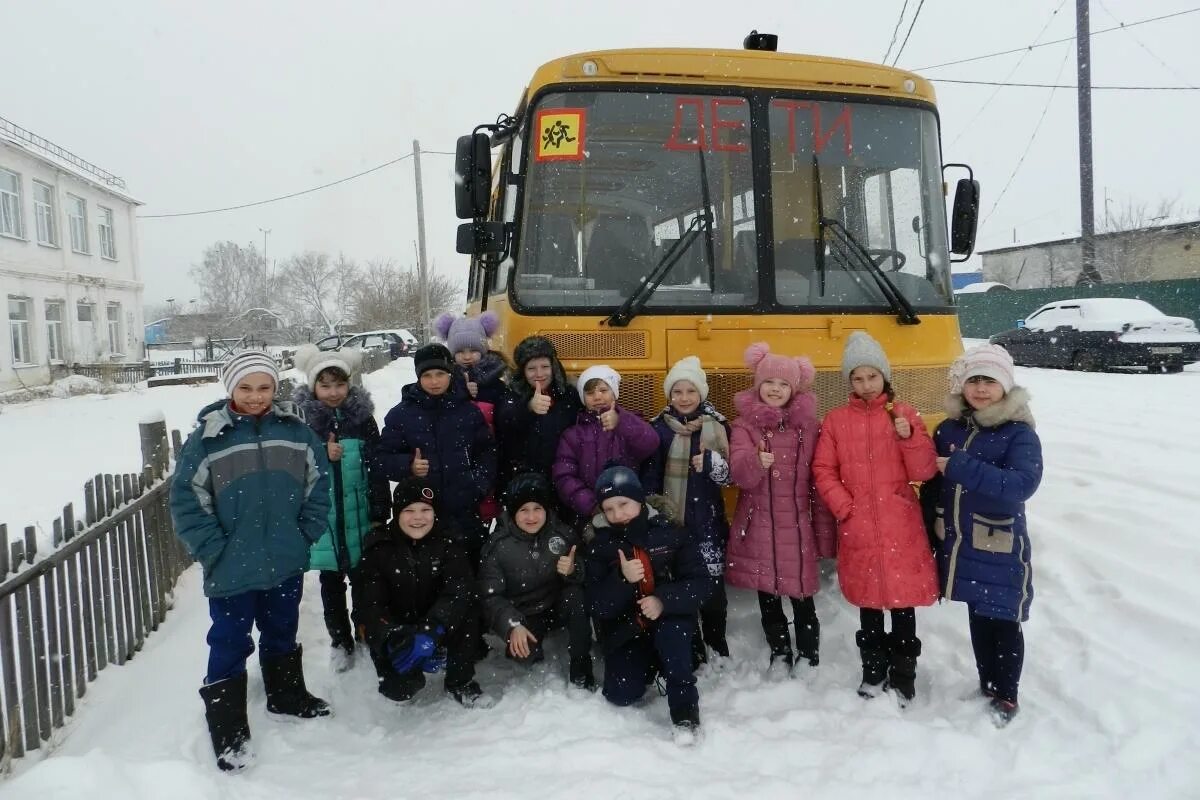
(638, 298)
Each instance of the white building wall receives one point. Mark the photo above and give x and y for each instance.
(41, 273)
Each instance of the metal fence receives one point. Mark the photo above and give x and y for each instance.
(145, 370)
(90, 603)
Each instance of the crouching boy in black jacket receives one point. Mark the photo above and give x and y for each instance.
(645, 584)
(414, 600)
(529, 582)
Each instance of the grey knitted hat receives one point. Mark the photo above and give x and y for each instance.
(863, 351)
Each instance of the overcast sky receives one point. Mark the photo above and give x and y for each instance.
(204, 105)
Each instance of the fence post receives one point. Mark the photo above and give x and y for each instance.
(153, 433)
(3, 551)
(179, 366)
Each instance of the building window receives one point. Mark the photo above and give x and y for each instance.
(10, 204)
(44, 214)
(77, 212)
(108, 243)
(54, 330)
(18, 330)
(85, 312)
(114, 328)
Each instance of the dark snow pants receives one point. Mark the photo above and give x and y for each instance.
(999, 646)
(570, 613)
(629, 668)
(276, 612)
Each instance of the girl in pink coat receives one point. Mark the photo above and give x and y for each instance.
(780, 528)
(870, 451)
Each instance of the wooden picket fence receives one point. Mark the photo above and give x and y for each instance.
(91, 602)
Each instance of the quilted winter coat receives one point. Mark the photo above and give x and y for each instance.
(585, 449)
(995, 466)
(863, 471)
(780, 527)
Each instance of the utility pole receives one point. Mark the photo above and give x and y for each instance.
(422, 268)
(266, 264)
(1087, 211)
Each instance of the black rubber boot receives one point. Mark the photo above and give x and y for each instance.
(686, 725)
(225, 713)
(400, 688)
(283, 678)
(808, 641)
(582, 674)
(902, 674)
(872, 647)
(779, 639)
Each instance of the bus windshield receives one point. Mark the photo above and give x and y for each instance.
(614, 179)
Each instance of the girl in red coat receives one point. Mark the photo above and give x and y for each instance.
(780, 528)
(870, 451)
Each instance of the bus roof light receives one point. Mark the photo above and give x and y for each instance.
(761, 41)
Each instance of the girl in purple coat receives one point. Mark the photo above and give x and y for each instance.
(604, 434)
(780, 527)
(689, 468)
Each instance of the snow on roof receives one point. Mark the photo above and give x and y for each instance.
(16, 136)
(981, 286)
(1121, 309)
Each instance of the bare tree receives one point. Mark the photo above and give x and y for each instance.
(1129, 255)
(388, 296)
(316, 289)
(232, 278)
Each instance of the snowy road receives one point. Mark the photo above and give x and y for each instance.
(1110, 706)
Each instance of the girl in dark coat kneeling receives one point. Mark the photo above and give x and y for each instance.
(414, 600)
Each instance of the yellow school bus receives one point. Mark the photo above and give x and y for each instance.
(644, 205)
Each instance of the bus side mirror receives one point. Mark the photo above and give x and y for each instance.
(472, 176)
(480, 238)
(964, 219)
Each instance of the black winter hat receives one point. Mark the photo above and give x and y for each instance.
(618, 481)
(532, 347)
(433, 356)
(412, 490)
(528, 487)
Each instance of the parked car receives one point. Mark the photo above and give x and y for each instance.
(398, 342)
(332, 342)
(1100, 332)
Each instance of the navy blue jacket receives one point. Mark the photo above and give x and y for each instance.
(681, 580)
(705, 514)
(449, 431)
(488, 374)
(995, 466)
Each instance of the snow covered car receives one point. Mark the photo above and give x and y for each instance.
(1100, 332)
(398, 342)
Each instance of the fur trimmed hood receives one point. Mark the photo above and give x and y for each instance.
(803, 406)
(356, 409)
(1014, 407)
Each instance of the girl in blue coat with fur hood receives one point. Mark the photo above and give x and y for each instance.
(991, 463)
(342, 416)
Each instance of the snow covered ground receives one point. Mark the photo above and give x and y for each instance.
(1109, 700)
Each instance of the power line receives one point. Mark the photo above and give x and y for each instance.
(293, 194)
(1058, 41)
(1140, 44)
(1028, 145)
(1011, 72)
(1072, 86)
(895, 33)
(911, 25)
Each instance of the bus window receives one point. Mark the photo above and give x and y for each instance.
(650, 162)
(874, 169)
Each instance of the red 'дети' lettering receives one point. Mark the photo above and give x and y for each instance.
(705, 141)
(819, 140)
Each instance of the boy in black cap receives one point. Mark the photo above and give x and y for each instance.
(413, 599)
(645, 584)
(437, 434)
(530, 582)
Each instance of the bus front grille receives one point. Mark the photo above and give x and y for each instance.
(614, 345)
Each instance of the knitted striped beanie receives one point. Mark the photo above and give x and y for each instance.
(244, 363)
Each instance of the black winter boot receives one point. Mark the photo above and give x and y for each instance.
(283, 678)
(902, 675)
(808, 641)
(582, 674)
(779, 639)
(400, 688)
(873, 648)
(225, 713)
(686, 722)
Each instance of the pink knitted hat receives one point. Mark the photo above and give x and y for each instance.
(990, 360)
(798, 372)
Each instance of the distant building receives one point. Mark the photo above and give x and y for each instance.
(1154, 253)
(960, 279)
(69, 264)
